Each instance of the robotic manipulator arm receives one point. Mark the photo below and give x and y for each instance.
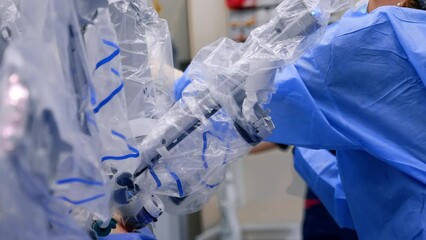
(234, 79)
(108, 60)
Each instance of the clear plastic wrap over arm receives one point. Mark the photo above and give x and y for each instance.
(66, 102)
(9, 24)
(146, 59)
(119, 150)
(220, 114)
(49, 141)
(53, 160)
(146, 55)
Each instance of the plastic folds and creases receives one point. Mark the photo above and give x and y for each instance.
(87, 120)
(49, 150)
(147, 61)
(220, 115)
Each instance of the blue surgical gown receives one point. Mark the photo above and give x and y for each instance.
(362, 92)
(320, 171)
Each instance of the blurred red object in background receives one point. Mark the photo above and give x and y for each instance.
(235, 4)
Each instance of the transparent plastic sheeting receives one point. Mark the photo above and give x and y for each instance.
(219, 116)
(226, 67)
(146, 55)
(63, 112)
(83, 82)
(119, 151)
(9, 21)
(188, 174)
(49, 151)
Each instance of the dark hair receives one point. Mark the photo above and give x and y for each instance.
(418, 4)
(422, 4)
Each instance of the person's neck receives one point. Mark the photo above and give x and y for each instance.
(373, 4)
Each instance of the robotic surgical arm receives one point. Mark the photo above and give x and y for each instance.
(220, 116)
(88, 125)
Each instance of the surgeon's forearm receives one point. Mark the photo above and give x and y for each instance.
(263, 147)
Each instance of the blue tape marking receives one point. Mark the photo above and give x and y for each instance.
(125, 139)
(134, 150)
(91, 120)
(178, 183)
(109, 43)
(107, 99)
(92, 93)
(111, 56)
(203, 155)
(154, 175)
(116, 73)
(135, 153)
(211, 185)
(119, 158)
(79, 180)
(113, 132)
(78, 202)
